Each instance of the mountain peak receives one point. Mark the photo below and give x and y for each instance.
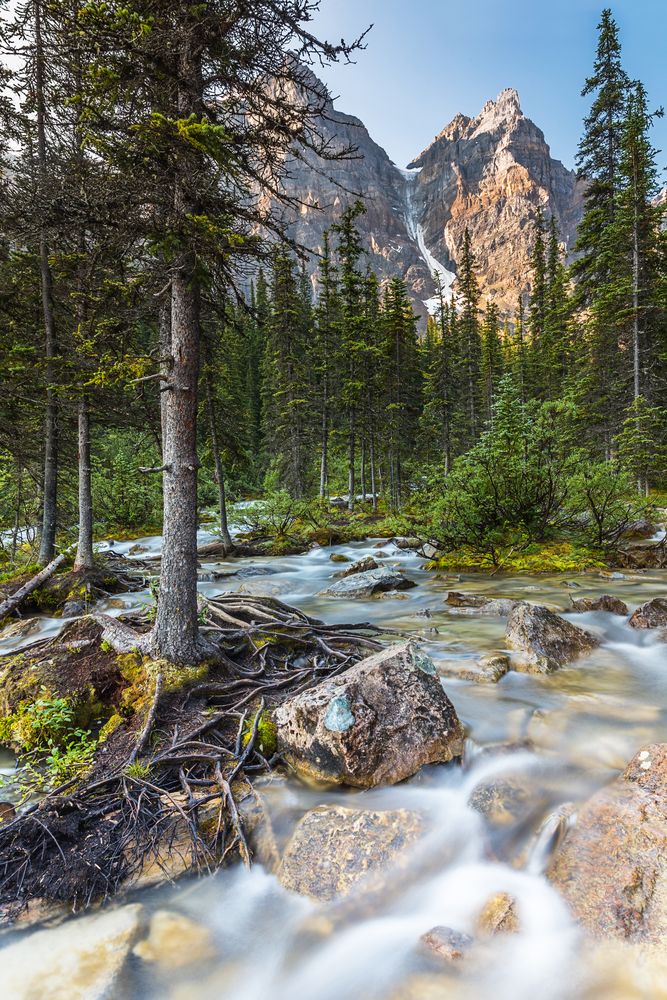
(499, 113)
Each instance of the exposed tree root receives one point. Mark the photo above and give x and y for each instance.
(178, 775)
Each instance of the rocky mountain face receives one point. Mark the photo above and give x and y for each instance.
(491, 174)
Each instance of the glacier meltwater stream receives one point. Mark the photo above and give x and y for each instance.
(546, 740)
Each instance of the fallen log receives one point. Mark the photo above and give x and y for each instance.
(12, 603)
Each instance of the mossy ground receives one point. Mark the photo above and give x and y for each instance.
(549, 557)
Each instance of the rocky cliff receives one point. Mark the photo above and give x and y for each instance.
(491, 174)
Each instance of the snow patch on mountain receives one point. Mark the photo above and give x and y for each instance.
(447, 277)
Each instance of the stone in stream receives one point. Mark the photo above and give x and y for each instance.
(334, 848)
(612, 864)
(447, 944)
(488, 669)
(175, 941)
(498, 915)
(360, 566)
(20, 629)
(80, 960)
(500, 606)
(377, 723)
(339, 557)
(543, 640)
(652, 614)
(614, 605)
(362, 585)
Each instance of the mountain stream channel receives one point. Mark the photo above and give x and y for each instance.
(550, 739)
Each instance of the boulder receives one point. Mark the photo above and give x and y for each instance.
(339, 557)
(500, 606)
(488, 669)
(612, 864)
(377, 723)
(613, 605)
(75, 961)
(360, 566)
(428, 551)
(543, 640)
(334, 848)
(175, 941)
(366, 584)
(652, 614)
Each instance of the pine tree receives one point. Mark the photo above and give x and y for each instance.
(638, 245)
(599, 155)
(469, 334)
(287, 405)
(351, 336)
(491, 364)
(402, 384)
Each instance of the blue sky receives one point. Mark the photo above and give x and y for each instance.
(428, 59)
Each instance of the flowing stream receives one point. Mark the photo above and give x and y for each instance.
(555, 738)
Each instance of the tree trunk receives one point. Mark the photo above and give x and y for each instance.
(175, 636)
(324, 460)
(50, 492)
(165, 357)
(84, 551)
(351, 481)
(635, 306)
(363, 469)
(373, 483)
(219, 470)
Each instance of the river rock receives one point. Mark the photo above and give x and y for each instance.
(406, 543)
(500, 606)
(334, 848)
(488, 669)
(20, 629)
(79, 960)
(339, 557)
(498, 915)
(614, 605)
(652, 614)
(360, 566)
(377, 723)
(612, 864)
(447, 944)
(543, 640)
(366, 584)
(641, 528)
(175, 941)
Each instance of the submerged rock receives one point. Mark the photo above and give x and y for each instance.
(498, 915)
(75, 961)
(488, 669)
(612, 864)
(366, 584)
(360, 566)
(175, 941)
(447, 944)
(334, 848)
(543, 640)
(614, 605)
(377, 723)
(500, 606)
(652, 614)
